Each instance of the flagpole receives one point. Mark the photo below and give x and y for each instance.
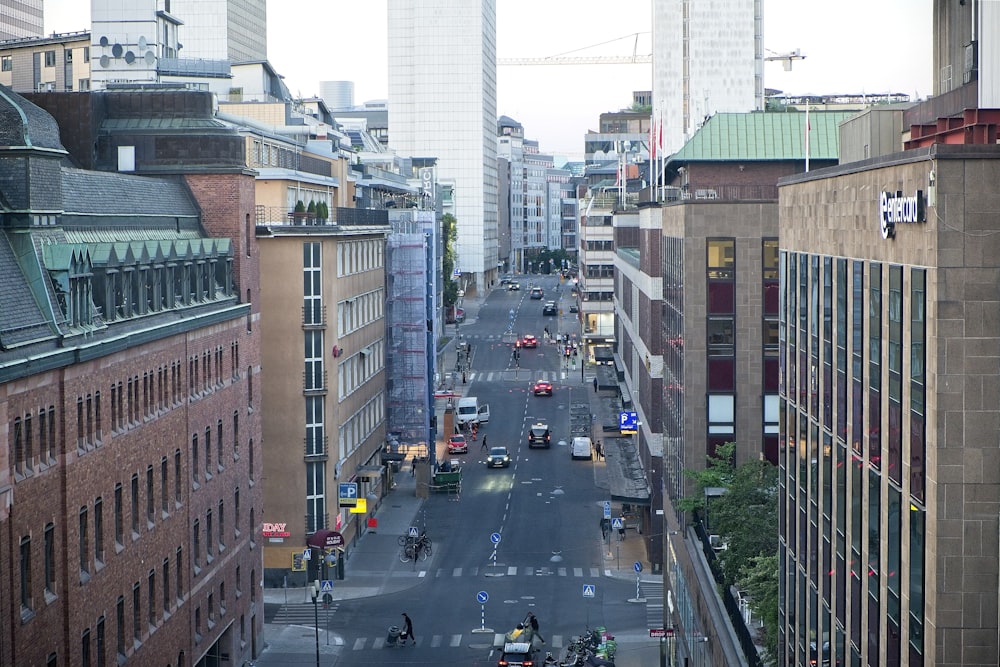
(807, 137)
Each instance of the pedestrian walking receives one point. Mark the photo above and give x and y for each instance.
(407, 630)
(605, 528)
(483, 448)
(534, 627)
(413, 466)
(599, 449)
(595, 384)
(621, 531)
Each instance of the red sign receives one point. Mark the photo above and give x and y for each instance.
(661, 632)
(275, 530)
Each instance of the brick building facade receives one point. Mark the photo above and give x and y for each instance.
(129, 405)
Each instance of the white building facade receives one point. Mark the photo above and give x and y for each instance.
(20, 18)
(233, 30)
(442, 103)
(708, 56)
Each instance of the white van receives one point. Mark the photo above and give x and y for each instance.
(470, 412)
(582, 448)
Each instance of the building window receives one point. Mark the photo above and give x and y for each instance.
(6, 63)
(222, 525)
(120, 629)
(84, 542)
(315, 497)
(195, 466)
(196, 545)
(136, 612)
(895, 368)
(918, 362)
(50, 559)
(50, 58)
(101, 644)
(135, 506)
(312, 283)
(177, 476)
(875, 367)
(25, 575)
(119, 518)
(180, 573)
(166, 586)
(151, 594)
(209, 550)
(150, 497)
(99, 531)
(85, 648)
(163, 485)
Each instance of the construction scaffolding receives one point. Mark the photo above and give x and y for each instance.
(408, 333)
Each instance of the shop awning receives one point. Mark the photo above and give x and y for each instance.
(369, 472)
(325, 539)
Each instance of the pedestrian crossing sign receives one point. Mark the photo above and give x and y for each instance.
(413, 532)
(326, 586)
(617, 523)
(589, 590)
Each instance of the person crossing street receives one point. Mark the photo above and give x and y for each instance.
(483, 448)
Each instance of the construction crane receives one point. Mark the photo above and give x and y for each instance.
(786, 59)
(564, 59)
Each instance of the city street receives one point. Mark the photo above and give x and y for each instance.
(527, 536)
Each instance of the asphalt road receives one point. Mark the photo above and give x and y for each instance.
(545, 509)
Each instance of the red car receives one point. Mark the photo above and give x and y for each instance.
(529, 341)
(458, 445)
(543, 387)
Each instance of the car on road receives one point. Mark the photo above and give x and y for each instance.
(543, 387)
(582, 448)
(529, 341)
(498, 458)
(514, 287)
(457, 444)
(573, 308)
(536, 293)
(517, 654)
(539, 435)
(550, 308)
(505, 280)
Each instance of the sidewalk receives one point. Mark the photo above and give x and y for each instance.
(373, 567)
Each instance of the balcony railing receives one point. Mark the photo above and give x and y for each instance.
(315, 382)
(314, 317)
(723, 192)
(316, 448)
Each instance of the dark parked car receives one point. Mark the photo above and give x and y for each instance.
(550, 308)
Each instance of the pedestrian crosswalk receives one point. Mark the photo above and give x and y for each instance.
(302, 613)
(652, 591)
(520, 375)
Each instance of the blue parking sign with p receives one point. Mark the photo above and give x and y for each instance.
(628, 422)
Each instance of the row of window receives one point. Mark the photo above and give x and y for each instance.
(356, 370)
(356, 312)
(48, 58)
(202, 450)
(358, 256)
(356, 428)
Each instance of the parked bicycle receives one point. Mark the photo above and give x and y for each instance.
(423, 540)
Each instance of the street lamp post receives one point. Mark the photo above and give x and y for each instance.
(314, 592)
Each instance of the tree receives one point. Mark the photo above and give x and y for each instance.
(300, 207)
(449, 228)
(311, 209)
(760, 580)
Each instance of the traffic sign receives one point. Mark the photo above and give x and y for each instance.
(607, 509)
(661, 632)
(628, 422)
(617, 523)
(495, 538)
(413, 532)
(307, 554)
(348, 494)
(589, 590)
(456, 273)
(482, 597)
(637, 567)
(326, 586)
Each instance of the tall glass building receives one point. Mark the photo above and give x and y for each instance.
(233, 30)
(442, 103)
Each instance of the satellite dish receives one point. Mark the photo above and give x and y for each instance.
(103, 41)
(150, 58)
(105, 61)
(129, 57)
(142, 42)
(117, 50)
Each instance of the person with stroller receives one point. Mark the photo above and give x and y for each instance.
(407, 632)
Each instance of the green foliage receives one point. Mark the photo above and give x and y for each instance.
(311, 209)
(760, 580)
(322, 210)
(300, 207)
(449, 226)
(746, 518)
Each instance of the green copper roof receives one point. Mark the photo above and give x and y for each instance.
(764, 135)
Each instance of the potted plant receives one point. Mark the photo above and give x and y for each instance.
(322, 211)
(299, 212)
(311, 211)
